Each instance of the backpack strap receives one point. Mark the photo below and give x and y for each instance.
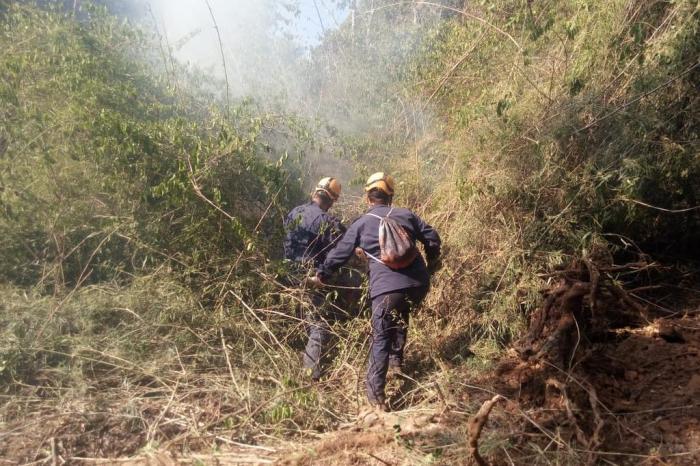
(380, 218)
(370, 255)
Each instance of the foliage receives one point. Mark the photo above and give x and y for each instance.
(106, 166)
(533, 132)
(140, 212)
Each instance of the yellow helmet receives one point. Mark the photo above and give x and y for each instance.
(330, 186)
(381, 181)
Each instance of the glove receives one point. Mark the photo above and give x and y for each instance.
(434, 265)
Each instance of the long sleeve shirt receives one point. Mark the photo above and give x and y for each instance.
(311, 232)
(364, 233)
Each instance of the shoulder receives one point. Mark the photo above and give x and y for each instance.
(408, 217)
(358, 222)
(311, 211)
(402, 211)
(328, 218)
(298, 209)
(294, 212)
(327, 215)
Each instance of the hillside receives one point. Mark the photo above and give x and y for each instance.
(146, 314)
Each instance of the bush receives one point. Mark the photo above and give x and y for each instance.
(107, 169)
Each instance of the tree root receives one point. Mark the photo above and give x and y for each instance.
(594, 441)
(580, 435)
(476, 424)
(585, 294)
(585, 302)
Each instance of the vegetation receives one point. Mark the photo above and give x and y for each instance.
(127, 229)
(143, 302)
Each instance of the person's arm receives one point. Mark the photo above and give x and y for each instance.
(427, 235)
(341, 253)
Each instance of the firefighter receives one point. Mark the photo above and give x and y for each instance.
(393, 291)
(310, 233)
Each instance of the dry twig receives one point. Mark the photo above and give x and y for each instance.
(476, 424)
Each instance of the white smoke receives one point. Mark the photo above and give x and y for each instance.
(262, 41)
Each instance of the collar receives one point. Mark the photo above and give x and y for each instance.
(313, 204)
(378, 206)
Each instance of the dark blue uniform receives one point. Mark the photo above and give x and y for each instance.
(393, 292)
(310, 233)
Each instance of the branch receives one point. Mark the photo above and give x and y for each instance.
(456, 10)
(638, 98)
(474, 17)
(670, 211)
(447, 75)
(223, 58)
(476, 424)
(320, 20)
(200, 194)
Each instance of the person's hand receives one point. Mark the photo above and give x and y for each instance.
(360, 253)
(434, 265)
(315, 281)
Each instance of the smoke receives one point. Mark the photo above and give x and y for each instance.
(343, 67)
(333, 61)
(264, 42)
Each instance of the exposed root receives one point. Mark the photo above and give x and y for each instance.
(595, 440)
(579, 311)
(585, 294)
(580, 435)
(476, 424)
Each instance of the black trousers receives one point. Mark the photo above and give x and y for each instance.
(390, 315)
(319, 332)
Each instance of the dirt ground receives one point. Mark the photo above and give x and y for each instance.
(639, 398)
(646, 382)
(650, 381)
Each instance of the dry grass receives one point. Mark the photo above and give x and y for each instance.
(203, 362)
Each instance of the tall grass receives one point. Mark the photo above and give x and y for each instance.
(143, 301)
(550, 149)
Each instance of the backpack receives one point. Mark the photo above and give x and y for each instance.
(397, 247)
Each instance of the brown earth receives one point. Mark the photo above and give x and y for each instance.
(607, 374)
(641, 391)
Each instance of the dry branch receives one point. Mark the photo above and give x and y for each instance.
(223, 57)
(476, 424)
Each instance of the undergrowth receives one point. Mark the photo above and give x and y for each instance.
(143, 299)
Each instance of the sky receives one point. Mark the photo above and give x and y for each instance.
(309, 25)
